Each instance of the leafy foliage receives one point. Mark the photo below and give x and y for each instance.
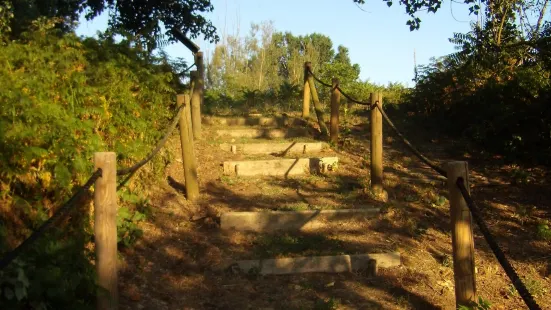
(544, 231)
(495, 90)
(481, 304)
(64, 98)
(141, 19)
(6, 15)
(127, 226)
(55, 273)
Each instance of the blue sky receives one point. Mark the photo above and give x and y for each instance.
(377, 36)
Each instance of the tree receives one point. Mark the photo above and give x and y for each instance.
(415, 6)
(502, 71)
(142, 19)
(342, 68)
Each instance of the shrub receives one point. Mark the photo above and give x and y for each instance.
(64, 98)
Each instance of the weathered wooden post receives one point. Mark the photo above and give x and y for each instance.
(335, 105)
(306, 94)
(376, 144)
(200, 86)
(188, 153)
(196, 100)
(200, 65)
(315, 98)
(462, 236)
(105, 229)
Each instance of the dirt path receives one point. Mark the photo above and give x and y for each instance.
(171, 267)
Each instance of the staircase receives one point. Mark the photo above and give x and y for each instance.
(283, 148)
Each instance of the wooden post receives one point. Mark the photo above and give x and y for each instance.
(306, 95)
(201, 90)
(196, 100)
(200, 65)
(376, 144)
(315, 98)
(335, 105)
(462, 236)
(188, 152)
(105, 229)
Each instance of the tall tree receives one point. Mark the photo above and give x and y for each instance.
(140, 18)
(341, 67)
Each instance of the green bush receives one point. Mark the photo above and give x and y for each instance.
(64, 98)
(55, 273)
(494, 96)
(544, 232)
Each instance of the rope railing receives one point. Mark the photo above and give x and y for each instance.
(64, 210)
(391, 124)
(318, 80)
(419, 155)
(163, 141)
(460, 183)
(339, 88)
(60, 213)
(156, 150)
(105, 190)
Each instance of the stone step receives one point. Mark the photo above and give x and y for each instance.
(326, 264)
(267, 133)
(272, 221)
(281, 167)
(276, 121)
(274, 148)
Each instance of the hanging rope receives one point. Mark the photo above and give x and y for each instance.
(60, 213)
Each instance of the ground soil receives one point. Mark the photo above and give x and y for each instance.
(173, 266)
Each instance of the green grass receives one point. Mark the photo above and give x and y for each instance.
(535, 288)
(270, 246)
(227, 180)
(297, 206)
(544, 232)
(303, 206)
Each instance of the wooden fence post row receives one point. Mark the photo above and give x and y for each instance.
(105, 207)
(335, 105)
(462, 236)
(105, 230)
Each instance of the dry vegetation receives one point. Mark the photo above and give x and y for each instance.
(174, 265)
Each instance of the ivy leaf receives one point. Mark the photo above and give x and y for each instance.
(62, 175)
(389, 3)
(124, 213)
(138, 216)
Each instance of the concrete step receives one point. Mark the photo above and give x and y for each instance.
(326, 264)
(272, 221)
(276, 121)
(281, 167)
(274, 148)
(267, 133)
